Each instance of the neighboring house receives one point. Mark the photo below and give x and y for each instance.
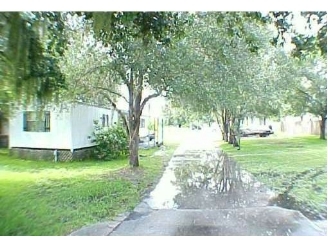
(4, 131)
(151, 126)
(57, 134)
(151, 119)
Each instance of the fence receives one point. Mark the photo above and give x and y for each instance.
(299, 127)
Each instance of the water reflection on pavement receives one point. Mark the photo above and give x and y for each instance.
(204, 192)
(200, 176)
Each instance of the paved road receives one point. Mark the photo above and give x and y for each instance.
(202, 192)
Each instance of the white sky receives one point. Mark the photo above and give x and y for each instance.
(301, 24)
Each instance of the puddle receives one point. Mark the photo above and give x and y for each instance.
(209, 179)
(206, 180)
(197, 195)
(217, 182)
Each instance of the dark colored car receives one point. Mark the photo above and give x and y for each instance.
(196, 127)
(151, 136)
(262, 131)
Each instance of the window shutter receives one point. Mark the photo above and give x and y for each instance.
(47, 121)
(103, 120)
(24, 121)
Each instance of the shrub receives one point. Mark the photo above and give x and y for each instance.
(111, 142)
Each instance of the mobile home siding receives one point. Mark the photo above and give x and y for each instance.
(82, 123)
(59, 136)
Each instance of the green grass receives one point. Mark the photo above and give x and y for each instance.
(297, 165)
(47, 198)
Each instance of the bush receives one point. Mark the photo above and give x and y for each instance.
(111, 142)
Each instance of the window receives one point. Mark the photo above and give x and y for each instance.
(36, 122)
(142, 123)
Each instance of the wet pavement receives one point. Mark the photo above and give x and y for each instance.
(204, 192)
(260, 221)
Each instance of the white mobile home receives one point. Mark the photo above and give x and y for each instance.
(59, 133)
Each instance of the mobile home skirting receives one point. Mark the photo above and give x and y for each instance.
(63, 155)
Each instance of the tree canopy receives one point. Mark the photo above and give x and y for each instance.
(228, 64)
(30, 46)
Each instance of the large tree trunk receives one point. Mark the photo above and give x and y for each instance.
(237, 134)
(225, 123)
(134, 143)
(226, 131)
(134, 149)
(220, 124)
(134, 121)
(231, 133)
(234, 132)
(135, 88)
(323, 127)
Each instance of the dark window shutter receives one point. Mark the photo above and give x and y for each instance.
(24, 121)
(103, 120)
(47, 121)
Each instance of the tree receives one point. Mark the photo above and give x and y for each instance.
(138, 46)
(243, 75)
(308, 88)
(310, 38)
(30, 46)
(239, 73)
(308, 93)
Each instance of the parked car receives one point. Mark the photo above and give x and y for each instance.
(195, 127)
(262, 131)
(151, 136)
(148, 137)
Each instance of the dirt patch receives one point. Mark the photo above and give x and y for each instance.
(133, 175)
(137, 176)
(287, 201)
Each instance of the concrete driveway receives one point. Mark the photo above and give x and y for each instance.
(204, 193)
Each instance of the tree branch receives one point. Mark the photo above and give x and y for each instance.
(308, 96)
(119, 112)
(91, 70)
(322, 106)
(147, 99)
(112, 92)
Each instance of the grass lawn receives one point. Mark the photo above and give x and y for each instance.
(47, 198)
(297, 166)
